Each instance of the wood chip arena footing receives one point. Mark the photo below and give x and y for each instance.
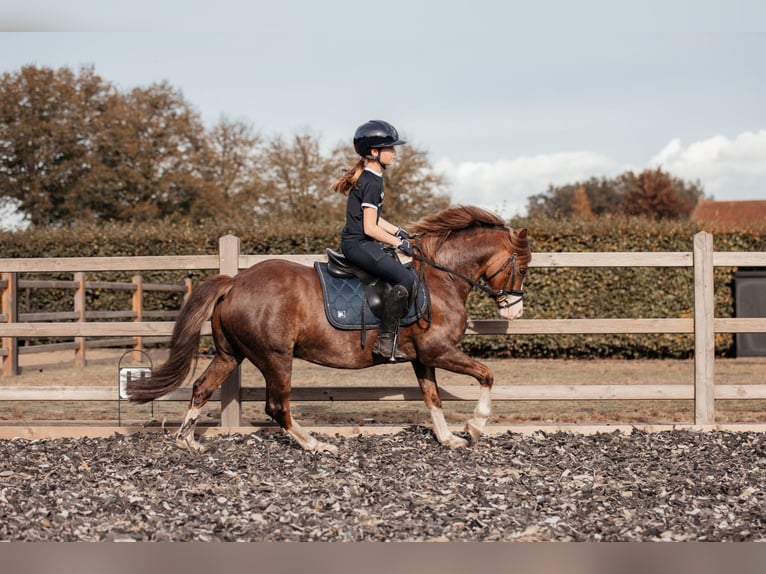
(636, 486)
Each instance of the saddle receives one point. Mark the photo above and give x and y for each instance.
(354, 298)
(375, 288)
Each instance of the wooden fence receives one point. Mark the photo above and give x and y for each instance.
(12, 288)
(703, 325)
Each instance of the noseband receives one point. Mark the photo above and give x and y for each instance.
(500, 296)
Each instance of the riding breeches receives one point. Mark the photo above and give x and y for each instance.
(370, 256)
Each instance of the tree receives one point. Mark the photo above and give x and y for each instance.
(651, 194)
(581, 205)
(150, 146)
(602, 194)
(294, 183)
(231, 162)
(295, 178)
(74, 148)
(658, 195)
(556, 202)
(47, 146)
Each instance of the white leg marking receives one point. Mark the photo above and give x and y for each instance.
(185, 437)
(308, 442)
(481, 414)
(443, 434)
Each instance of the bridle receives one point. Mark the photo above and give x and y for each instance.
(501, 295)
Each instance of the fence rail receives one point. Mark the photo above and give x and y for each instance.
(12, 287)
(703, 325)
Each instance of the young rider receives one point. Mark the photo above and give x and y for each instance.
(366, 230)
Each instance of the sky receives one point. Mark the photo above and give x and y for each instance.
(506, 97)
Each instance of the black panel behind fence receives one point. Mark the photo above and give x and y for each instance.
(750, 301)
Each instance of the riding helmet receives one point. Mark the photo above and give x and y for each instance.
(375, 134)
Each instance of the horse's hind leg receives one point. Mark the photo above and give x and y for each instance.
(277, 370)
(213, 377)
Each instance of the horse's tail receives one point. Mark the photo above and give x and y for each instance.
(184, 342)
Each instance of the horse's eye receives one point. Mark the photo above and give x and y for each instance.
(522, 272)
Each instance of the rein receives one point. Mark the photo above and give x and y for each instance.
(500, 296)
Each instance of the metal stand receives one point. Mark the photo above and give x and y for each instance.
(129, 373)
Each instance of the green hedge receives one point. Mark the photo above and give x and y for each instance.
(145, 240)
(614, 292)
(550, 293)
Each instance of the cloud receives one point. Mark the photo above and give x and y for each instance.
(726, 169)
(504, 185)
(49, 16)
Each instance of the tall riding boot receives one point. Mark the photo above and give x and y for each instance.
(395, 306)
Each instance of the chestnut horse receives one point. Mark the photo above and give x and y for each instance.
(274, 311)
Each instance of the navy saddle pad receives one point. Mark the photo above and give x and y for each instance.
(344, 301)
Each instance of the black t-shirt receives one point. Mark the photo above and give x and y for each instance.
(367, 194)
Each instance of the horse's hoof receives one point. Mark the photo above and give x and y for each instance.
(474, 431)
(454, 442)
(190, 444)
(326, 447)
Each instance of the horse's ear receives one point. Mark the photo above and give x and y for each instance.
(522, 233)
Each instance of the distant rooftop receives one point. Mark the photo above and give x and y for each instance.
(745, 214)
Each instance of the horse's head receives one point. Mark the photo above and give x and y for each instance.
(477, 235)
(506, 272)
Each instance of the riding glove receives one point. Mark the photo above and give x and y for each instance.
(401, 233)
(406, 248)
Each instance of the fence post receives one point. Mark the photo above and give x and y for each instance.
(188, 285)
(79, 308)
(704, 330)
(137, 306)
(231, 406)
(9, 309)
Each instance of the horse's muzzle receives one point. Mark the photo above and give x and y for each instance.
(510, 306)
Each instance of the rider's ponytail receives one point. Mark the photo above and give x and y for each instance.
(347, 181)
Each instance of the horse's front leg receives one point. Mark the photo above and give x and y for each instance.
(427, 381)
(456, 361)
(482, 411)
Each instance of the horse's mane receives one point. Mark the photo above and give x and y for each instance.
(433, 230)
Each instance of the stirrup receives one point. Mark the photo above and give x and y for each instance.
(392, 356)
